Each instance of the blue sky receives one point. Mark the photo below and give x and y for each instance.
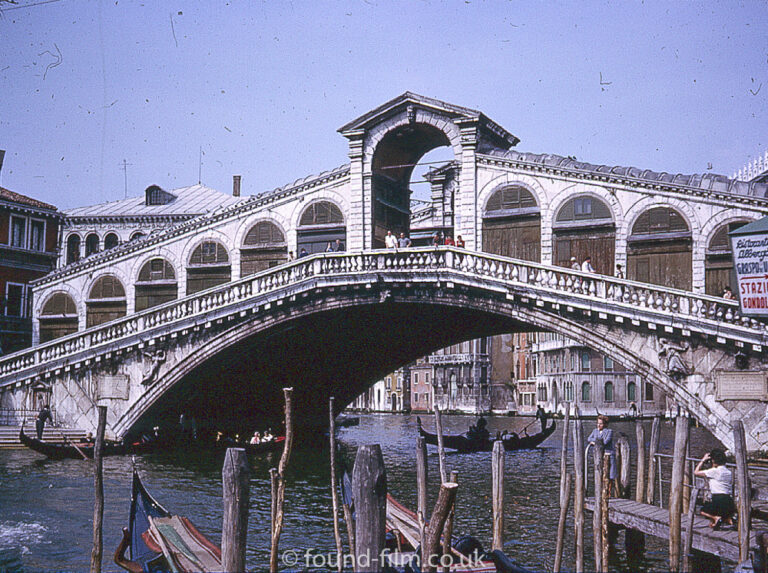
(262, 87)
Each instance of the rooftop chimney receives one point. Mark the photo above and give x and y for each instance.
(236, 185)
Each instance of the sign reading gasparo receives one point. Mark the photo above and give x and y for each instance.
(750, 258)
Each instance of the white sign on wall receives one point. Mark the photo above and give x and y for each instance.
(750, 260)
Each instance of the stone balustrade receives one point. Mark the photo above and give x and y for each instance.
(523, 279)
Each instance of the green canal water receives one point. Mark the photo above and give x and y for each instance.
(46, 507)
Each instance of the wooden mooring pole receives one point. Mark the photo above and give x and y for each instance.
(234, 530)
(497, 484)
(98, 489)
(448, 533)
(634, 540)
(744, 489)
(578, 492)
(654, 449)
(676, 492)
(430, 551)
(277, 522)
(597, 514)
(334, 484)
(422, 475)
(565, 489)
(440, 448)
(369, 490)
(605, 541)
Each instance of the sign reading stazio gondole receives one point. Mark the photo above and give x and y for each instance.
(750, 261)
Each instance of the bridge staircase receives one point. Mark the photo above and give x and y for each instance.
(9, 435)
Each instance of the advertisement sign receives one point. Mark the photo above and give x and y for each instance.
(750, 261)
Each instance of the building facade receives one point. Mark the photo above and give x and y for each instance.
(29, 246)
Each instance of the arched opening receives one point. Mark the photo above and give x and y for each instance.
(156, 284)
(718, 264)
(264, 247)
(58, 317)
(73, 249)
(91, 244)
(208, 267)
(111, 241)
(631, 392)
(321, 223)
(394, 402)
(512, 224)
(586, 394)
(137, 235)
(659, 249)
(608, 389)
(106, 301)
(394, 160)
(433, 184)
(584, 227)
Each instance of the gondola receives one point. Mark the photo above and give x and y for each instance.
(69, 450)
(466, 443)
(160, 541)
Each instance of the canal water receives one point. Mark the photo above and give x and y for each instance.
(46, 507)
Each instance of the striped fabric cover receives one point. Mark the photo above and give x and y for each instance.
(183, 545)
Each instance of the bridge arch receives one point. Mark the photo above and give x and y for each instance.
(256, 383)
(717, 256)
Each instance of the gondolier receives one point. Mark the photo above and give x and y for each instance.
(42, 418)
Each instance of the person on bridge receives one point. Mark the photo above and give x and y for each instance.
(303, 253)
(728, 294)
(449, 241)
(390, 241)
(575, 264)
(42, 418)
(619, 272)
(404, 242)
(605, 435)
(329, 247)
(338, 247)
(720, 479)
(586, 266)
(459, 241)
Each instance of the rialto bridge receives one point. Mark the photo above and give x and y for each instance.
(209, 317)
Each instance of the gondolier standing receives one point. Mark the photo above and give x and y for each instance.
(42, 418)
(542, 415)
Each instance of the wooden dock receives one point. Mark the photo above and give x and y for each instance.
(654, 520)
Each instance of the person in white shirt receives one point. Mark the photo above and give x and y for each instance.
(586, 266)
(390, 241)
(721, 509)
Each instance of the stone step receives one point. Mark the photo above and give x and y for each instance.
(9, 435)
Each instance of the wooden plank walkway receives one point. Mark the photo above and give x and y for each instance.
(653, 520)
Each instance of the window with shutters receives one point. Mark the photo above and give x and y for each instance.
(106, 301)
(156, 284)
(264, 247)
(208, 267)
(58, 317)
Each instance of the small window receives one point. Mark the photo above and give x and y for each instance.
(584, 209)
(91, 244)
(608, 363)
(631, 392)
(209, 253)
(18, 232)
(585, 362)
(608, 391)
(321, 213)
(660, 220)
(585, 392)
(15, 300)
(569, 391)
(73, 249)
(137, 235)
(37, 235)
(510, 199)
(648, 392)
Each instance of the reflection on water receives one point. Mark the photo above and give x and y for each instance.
(46, 507)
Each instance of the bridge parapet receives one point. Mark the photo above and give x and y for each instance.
(626, 302)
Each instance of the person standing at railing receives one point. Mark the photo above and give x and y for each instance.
(404, 242)
(338, 247)
(720, 479)
(459, 241)
(390, 241)
(605, 435)
(586, 266)
(619, 272)
(575, 264)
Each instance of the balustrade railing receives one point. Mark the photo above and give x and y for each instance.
(539, 280)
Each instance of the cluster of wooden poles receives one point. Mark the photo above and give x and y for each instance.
(681, 506)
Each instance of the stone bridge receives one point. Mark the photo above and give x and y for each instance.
(332, 324)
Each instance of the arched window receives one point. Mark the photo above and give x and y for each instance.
(91, 244)
(584, 227)
(659, 249)
(719, 259)
(137, 235)
(111, 241)
(320, 223)
(585, 392)
(648, 392)
(264, 247)
(106, 301)
(608, 389)
(58, 317)
(586, 362)
(569, 391)
(208, 267)
(156, 284)
(73, 249)
(631, 392)
(512, 224)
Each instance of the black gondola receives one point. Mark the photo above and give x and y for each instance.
(473, 443)
(80, 450)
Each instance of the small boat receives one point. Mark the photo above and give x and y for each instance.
(344, 421)
(469, 442)
(160, 541)
(80, 450)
